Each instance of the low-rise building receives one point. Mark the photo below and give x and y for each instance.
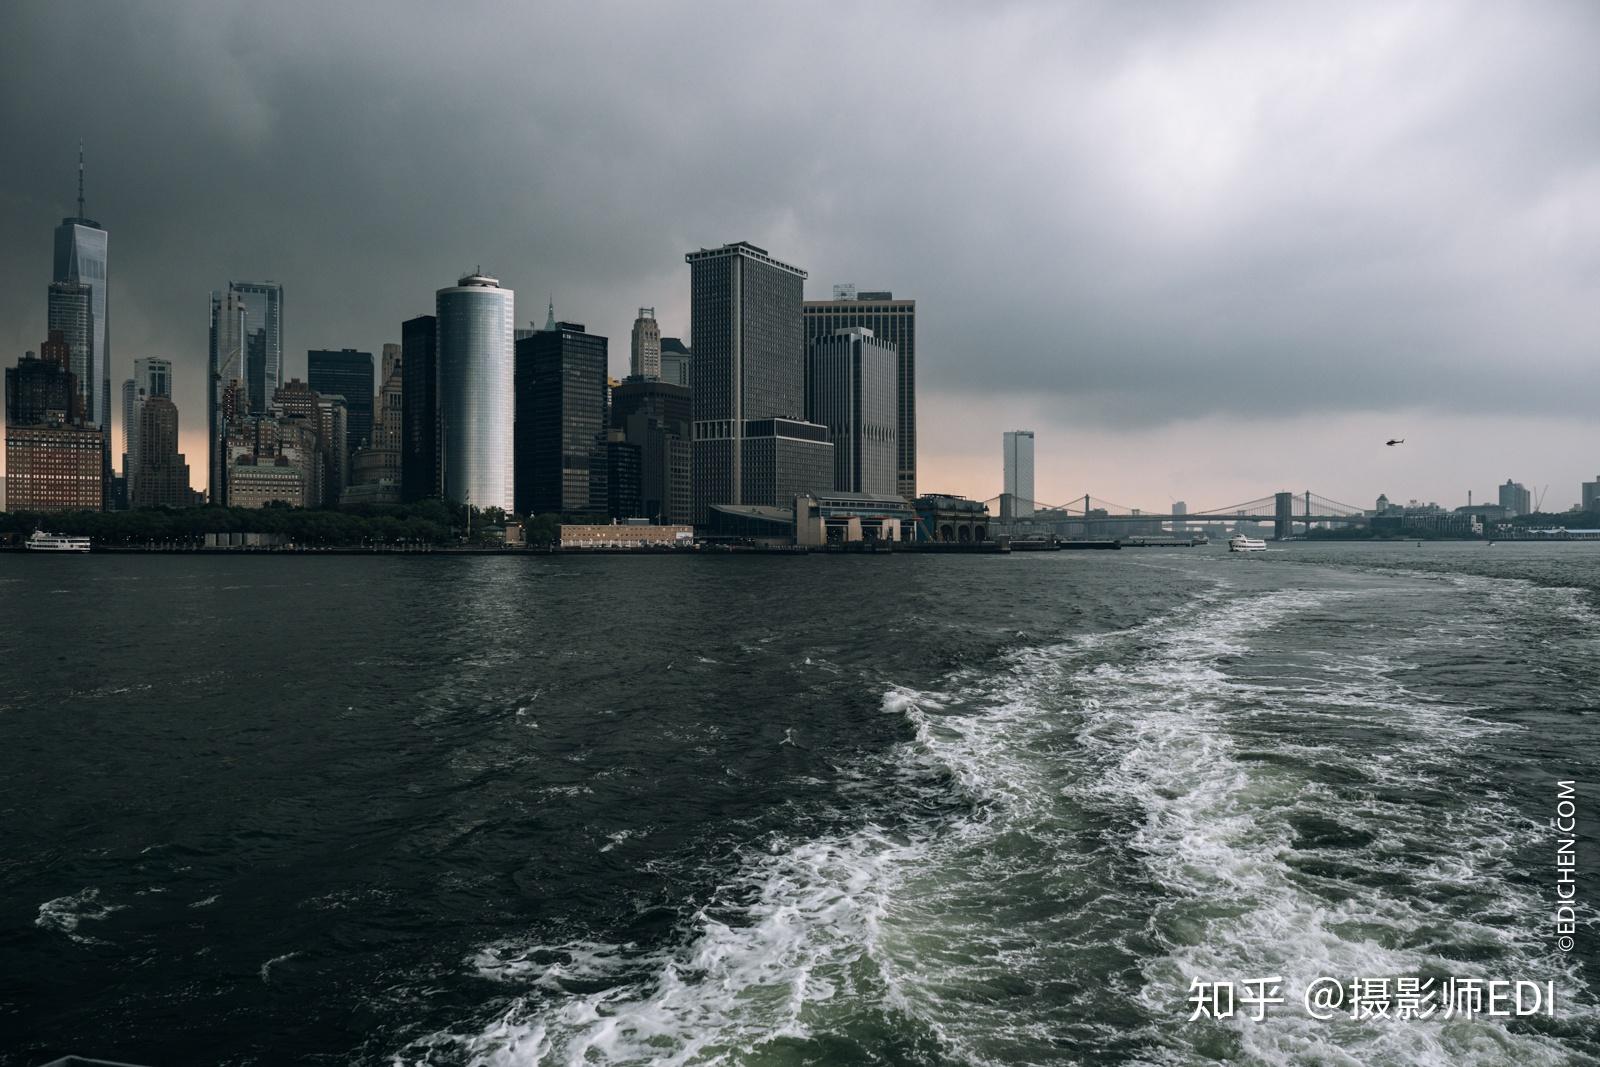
(625, 535)
(947, 518)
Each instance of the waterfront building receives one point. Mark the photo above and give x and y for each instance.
(160, 474)
(751, 443)
(893, 321)
(54, 458)
(1016, 501)
(1515, 498)
(477, 398)
(948, 518)
(676, 362)
(561, 387)
(421, 474)
(645, 352)
(256, 483)
(1591, 495)
(850, 389)
(656, 417)
(346, 373)
(81, 247)
(625, 535)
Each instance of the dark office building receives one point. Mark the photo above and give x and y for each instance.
(656, 417)
(614, 477)
(421, 476)
(561, 408)
(42, 390)
(891, 320)
(782, 458)
(349, 374)
(748, 369)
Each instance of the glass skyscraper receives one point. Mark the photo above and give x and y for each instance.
(477, 400)
(891, 320)
(420, 476)
(80, 257)
(349, 374)
(263, 340)
(561, 409)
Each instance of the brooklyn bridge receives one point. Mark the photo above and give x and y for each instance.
(1284, 510)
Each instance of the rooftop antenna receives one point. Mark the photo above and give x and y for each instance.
(80, 178)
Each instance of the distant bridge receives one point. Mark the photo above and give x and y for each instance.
(1282, 509)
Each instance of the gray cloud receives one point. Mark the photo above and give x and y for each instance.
(1139, 214)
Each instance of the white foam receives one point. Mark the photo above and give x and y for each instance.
(64, 914)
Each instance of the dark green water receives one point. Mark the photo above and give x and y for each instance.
(912, 810)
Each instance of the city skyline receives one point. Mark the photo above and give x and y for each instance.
(1214, 277)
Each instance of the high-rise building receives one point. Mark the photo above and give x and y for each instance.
(1017, 446)
(891, 320)
(228, 392)
(676, 361)
(561, 385)
(477, 402)
(421, 475)
(375, 470)
(646, 350)
(345, 373)
(1515, 498)
(656, 418)
(1591, 495)
(614, 476)
(751, 443)
(851, 389)
(160, 475)
(81, 257)
(68, 310)
(263, 339)
(151, 377)
(54, 458)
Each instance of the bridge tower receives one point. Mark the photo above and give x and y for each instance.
(1283, 518)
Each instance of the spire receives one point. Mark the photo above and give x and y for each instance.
(80, 178)
(550, 322)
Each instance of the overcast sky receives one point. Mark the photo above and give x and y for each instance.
(1205, 251)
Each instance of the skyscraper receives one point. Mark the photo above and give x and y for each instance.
(561, 407)
(656, 418)
(68, 309)
(349, 374)
(850, 389)
(891, 320)
(751, 443)
(646, 351)
(228, 394)
(151, 377)
(263, 340)
(160, 475)
(477, 404)
(1515, 498)
(81, 257)
(421, 475)
(1017, 446)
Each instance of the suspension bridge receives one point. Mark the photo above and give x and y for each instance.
(1284, 510)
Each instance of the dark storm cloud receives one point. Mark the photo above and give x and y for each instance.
(1145, 212)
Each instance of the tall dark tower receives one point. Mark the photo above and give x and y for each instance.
(80, 260)
(752, 445)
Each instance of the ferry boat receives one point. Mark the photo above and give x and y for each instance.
(1241, 543)
(48, 542)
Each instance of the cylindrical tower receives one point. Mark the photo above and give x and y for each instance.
(477, 402)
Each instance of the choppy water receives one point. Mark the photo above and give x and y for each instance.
(920, 810)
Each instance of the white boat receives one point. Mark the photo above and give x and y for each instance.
(1241, 543)
(48, 542)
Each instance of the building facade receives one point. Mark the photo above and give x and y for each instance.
(645, 351)
(347, 373)
(54, 457)
(676, 363)
(421, 474)
(81, 257)
(893, 321)
(749, 380)
(160, 474)
(1515, 498)
(851, 389)
(561, 387)
(1016, 501)
(262, 339)
(375, 470)
(1591, 495)
(477, 396)
(657, 418)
